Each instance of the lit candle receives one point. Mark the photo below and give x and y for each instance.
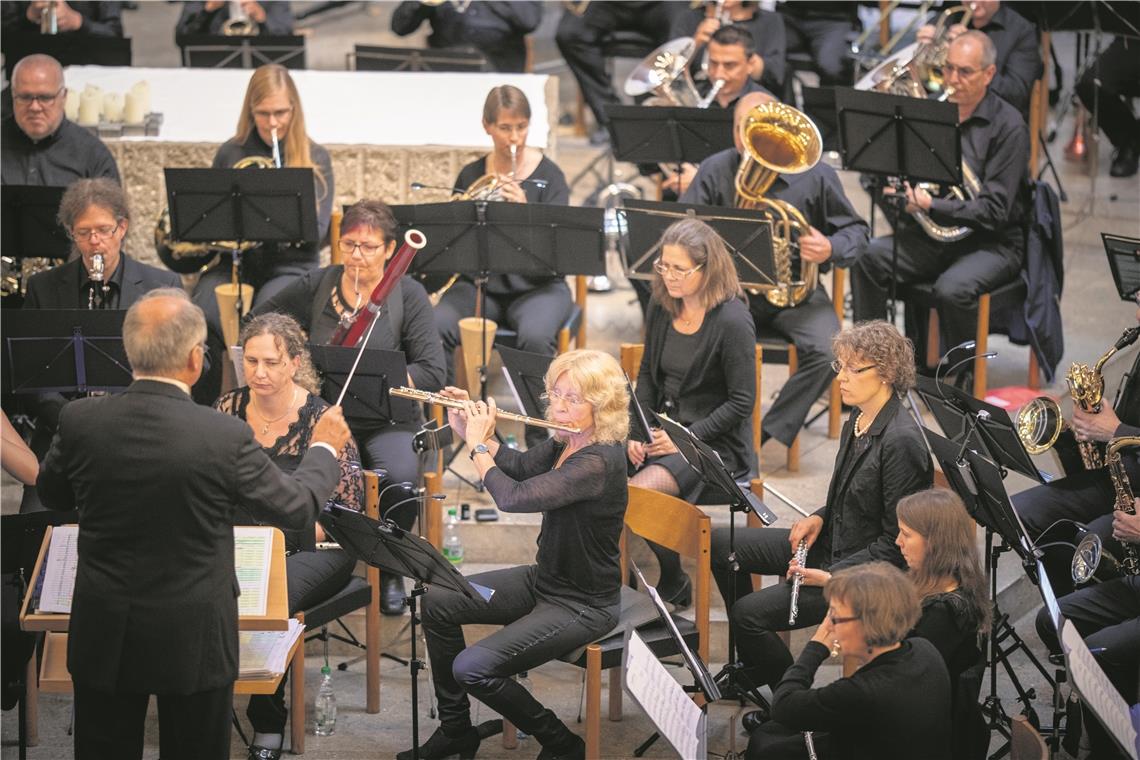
(90, 104)
(113, 107)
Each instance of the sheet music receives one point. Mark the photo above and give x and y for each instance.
(1048, 595)
(1097, 691)
(59, 570)
(253, 549)
(265, 654)
(675, 714)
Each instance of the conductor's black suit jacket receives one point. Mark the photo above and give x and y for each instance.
(157, 480)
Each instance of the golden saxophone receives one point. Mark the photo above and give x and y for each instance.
(1090, 551)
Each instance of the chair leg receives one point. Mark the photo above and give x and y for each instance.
(372, 654)
(1034, 379)
(981, 341)
(794, 449)
(615, 693)
(510, 735)
(297, 700)
(933, 340)
(32, 702)
(834, 410)
(593, 702)
(563, 340)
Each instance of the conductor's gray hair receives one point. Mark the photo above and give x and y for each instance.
(160, 346)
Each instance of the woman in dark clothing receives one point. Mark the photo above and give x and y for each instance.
(281, 403)
(882, 457)
(896, 705)
(697, 311)
(936, 538)
(272, 104)
(320, 299)
(534, 307)
(571, 595)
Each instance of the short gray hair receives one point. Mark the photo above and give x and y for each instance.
(37, 60)
(160, 346)
(85, 193)
(989, 52)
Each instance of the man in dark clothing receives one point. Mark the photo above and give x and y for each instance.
(1116, 74)
(766, 27)
(78, 18)
(210, 18)
(496, 29)
(821, 28)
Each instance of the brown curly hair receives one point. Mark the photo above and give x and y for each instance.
(291, 339)
(880, 343)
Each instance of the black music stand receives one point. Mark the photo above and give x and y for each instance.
(68, 49)
(382, 58)
(65, 351)
(217, 51)
(481, 238)
(385, 546)
(707, 463)
(819, 105)
(30, 227)
(910, 139)
(668, 134)
(208, 205)
(525, 372)
(1124, 261)
(747, 234)
(367, 399)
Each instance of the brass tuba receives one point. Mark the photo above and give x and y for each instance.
(779, 139)
(1090, 551)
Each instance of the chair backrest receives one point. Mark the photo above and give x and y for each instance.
(1024, 742)
(678, 525)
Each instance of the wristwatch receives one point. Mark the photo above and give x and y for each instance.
(480, 448)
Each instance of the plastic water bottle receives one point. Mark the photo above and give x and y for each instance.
(452, 545)
(326, 705)
(512, 442)
(523, 679)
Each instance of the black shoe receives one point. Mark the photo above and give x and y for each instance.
(754, 719)
(574, 749)
(263, 753)
(440, 745)
(682, 597)
(600, 136)
(391, 594)
(1125, 161)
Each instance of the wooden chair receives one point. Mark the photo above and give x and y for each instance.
(1024, 741)
(777, 350)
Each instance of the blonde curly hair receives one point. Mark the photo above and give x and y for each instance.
(600, 380)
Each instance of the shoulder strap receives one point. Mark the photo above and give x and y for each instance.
(395, 306)
(321, 293)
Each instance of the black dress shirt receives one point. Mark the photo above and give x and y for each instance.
(817, 193)
(766, 28)
(497, 29)
(100, 19)
(1018, 57)
(70, 153)
(195, 19)
(995, 144)
(92, 292)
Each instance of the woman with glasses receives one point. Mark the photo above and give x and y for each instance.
(272, 105)
(895, 706)
(697, 310)
(882, 457)
(320, 299)
(281, 403)
(534, 307)
(570, 596)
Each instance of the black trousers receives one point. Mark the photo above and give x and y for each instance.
(391, 451)
(826, 40)
(756, 616)
(580, 39)
(269, 280)
(810, 326)
(190, 726)
(536, 630)
(960, 273)
(1118, 74)
(312, 577)
(1107, 615)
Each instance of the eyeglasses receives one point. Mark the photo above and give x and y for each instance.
(280, 114)
(569, 398)
(839, 620)
(674, 273)
(104, 231)
(26, 98)
(839, 367)
(963, 71)
(348, 247)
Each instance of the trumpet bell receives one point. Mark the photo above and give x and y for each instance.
(664, 72)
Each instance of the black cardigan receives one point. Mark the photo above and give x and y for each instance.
(859, 522)
(719, 390)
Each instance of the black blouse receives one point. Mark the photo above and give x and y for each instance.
(951, 625)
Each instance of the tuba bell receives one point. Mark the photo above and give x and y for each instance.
(779, 139)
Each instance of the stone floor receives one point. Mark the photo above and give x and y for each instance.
(1093, 316)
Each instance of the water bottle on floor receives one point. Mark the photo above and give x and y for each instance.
(452, 544)
(326, 705)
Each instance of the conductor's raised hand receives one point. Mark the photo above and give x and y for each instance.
(332, 429)
(806, 529)
(480, 421)
(457, 418)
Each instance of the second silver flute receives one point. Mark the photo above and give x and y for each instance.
(798, 580)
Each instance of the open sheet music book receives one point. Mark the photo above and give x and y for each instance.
(59, 570)
(265, 654)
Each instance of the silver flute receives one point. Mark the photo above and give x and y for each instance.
(797, 580)
(810, 746)
(276, 149)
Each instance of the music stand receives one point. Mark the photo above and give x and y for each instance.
(668, 134)
(481, 238)
(207, 205)
(367, 399)
(65, 351)
(382, 58)
(746, 233)
(217, 51)
(30, 227)
(525, 373)
(68, 49)
(1124, 261)
(894, 136)
(819, 105)
(639, 427)
(386, 546)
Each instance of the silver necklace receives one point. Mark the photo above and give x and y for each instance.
(266, 421)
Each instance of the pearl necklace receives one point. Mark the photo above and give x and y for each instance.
(265, 420)
(860, 431)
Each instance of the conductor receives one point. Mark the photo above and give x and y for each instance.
(157, 480)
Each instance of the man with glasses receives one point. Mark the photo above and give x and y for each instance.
(995, 144)
(40, 146)
(837, 233)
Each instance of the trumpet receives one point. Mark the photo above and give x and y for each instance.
(437, 398)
